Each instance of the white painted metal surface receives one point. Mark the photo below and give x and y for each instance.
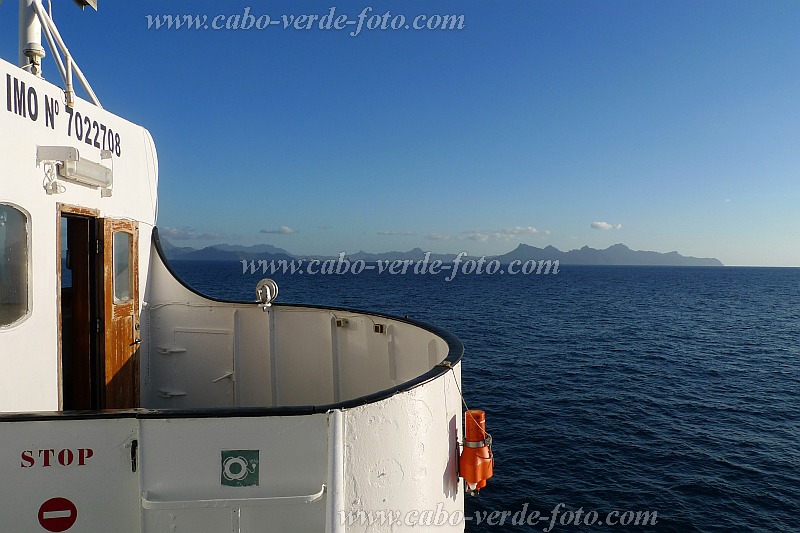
(402, 455)
(203, 353)
(307, 473)
(32, 114)
(183, 473)
(87, 462)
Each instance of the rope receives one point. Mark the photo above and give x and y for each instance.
(486, 435)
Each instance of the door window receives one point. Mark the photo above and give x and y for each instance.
(122, 264)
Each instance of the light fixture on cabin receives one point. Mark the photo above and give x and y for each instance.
(65, 162)
(86, 172)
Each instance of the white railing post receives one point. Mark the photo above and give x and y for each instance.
(335, 502)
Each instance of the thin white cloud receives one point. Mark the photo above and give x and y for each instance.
(507, 234)
(437, 237)
(520, 230)
(186, 234)
(394, 233)
(605, 226)
(510, 233)
(477, 236)
(283, 230)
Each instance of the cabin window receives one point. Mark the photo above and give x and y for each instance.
(14, 303)
(122, 271)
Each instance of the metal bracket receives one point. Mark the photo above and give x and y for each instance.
(169, 351)
(170, 394)
(226, 375)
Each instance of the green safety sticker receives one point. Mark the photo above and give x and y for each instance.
(239, 468)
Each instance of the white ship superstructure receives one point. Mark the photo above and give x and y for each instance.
(131, 403)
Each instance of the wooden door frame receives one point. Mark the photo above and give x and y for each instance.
(61, 211)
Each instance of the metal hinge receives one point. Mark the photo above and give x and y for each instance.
(99, 247)
(99, 328)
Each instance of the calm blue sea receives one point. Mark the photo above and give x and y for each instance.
(610, 388)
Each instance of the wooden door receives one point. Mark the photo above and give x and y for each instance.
(79, 314)
(121, 310)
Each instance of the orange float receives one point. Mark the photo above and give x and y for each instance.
(477, 461)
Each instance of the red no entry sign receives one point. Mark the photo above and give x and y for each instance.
(57, 514)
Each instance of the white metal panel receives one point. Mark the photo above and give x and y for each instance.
(182, 461)
(197, 521)
(305, 518)
(95, 473)
(363, 360)
(187, 342)
(303, 357)
(411, 351)
(252, 358)
(201, 374)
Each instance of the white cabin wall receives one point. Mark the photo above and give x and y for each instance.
(29, 349)
(29, 366)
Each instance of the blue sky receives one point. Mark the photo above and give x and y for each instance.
(673, 124)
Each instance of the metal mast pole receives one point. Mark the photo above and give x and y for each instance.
(31, 51)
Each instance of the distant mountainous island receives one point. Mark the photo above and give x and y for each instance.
(618, 254)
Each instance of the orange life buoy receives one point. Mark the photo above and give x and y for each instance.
(476, 461)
